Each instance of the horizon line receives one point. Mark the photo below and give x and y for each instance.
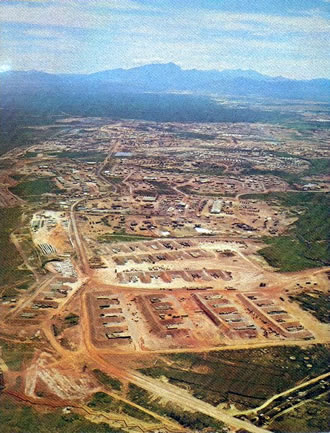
(164, 64)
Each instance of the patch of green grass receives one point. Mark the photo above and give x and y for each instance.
(32, 190)
(17, 177)
(317, 303)
(116, 180)
(136, 413)
(71, 319)
(22, 419)
(104, 402)
(30, 154)
(194, 135)
(9, 274)
(23, 286)
(138, 395)
(162, 187)
(101, 400)
(16, 354)
(9, 292)
(196, 420)
(106, 380)
(187, 190)
(290, 178)
(285, 198)
(87, 156)
(209, 170)
(122, 238)
(320, 166)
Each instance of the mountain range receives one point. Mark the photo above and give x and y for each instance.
(164, 78)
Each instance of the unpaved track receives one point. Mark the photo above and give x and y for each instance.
(77, 239)
(27, 299)
(164, 390)
(124, 420)
(176, 395)
(284, 393)
(15, 241)
(74, 358)
(171, 424)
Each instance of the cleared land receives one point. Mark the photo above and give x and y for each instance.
(165, 277)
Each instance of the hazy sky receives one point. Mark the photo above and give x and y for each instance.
(275, 37)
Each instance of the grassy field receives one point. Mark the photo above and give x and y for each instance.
(30, 154)
(108, 381)
(122, 238)
(32, 190)
(87, 156)
(9, 274)
(317, 167)
(162, 187)
(16, 418)
(245, 377)
(16, 354)
(316, 303)
(299, 198)
(193, 135)
(116, 179)
(291, 178)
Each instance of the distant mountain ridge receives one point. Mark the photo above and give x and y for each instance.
(167, 77)
(157, 69)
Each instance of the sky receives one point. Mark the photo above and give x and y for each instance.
(275, 37)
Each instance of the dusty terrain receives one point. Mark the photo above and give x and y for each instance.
(133, 261)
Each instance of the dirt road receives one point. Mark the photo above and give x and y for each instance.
(176, 395)
(285, 393)
(24, 301)
(78, 243)
(15, 241)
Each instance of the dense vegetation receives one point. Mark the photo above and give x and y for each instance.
(318, 167)
(306, 244)
(16, 127)
(159, 107)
